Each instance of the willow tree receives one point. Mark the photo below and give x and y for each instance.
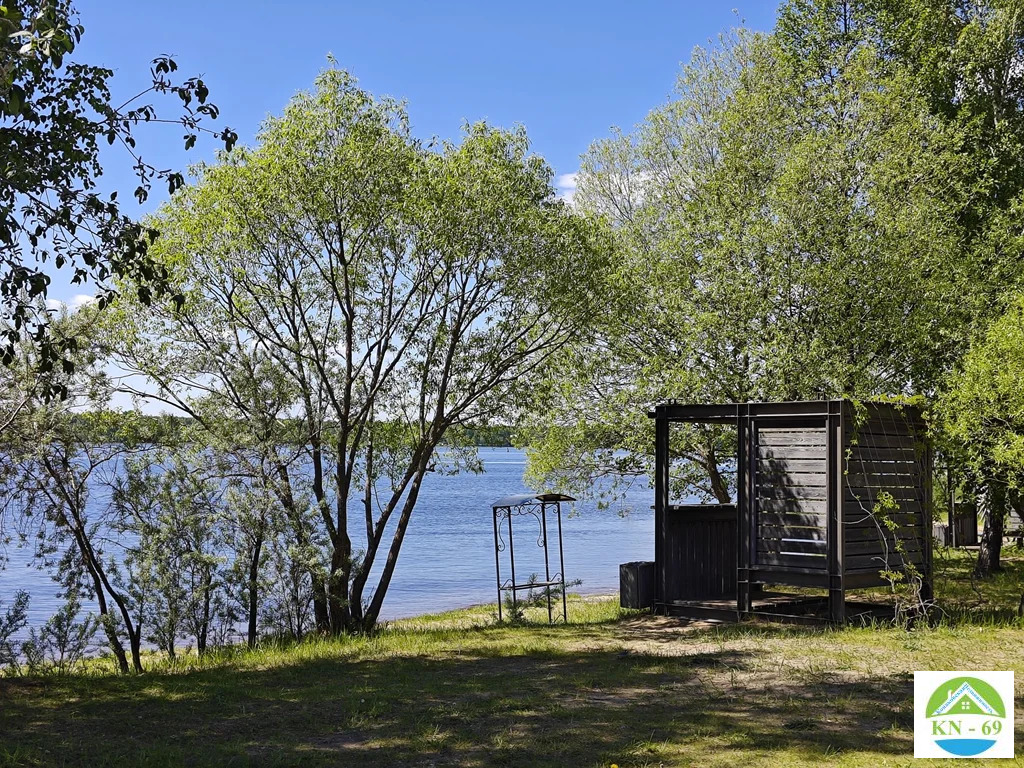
(780, 231)
(352, 299)
(56, 452)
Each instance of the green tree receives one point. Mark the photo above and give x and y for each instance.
(352, 300)
(55, 113)
(781, 234)
(170, 501)
(54, 461)
(983, 419)
(65, 639)
(964, 60)
(13, 620)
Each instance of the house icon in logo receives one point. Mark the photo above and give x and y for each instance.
(965, 701)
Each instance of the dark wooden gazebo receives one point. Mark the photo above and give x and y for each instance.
(830, 494)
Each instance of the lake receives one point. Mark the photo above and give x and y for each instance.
(447, 559)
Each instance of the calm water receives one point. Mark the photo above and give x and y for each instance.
(447, 559)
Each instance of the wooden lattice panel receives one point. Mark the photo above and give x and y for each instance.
(790, 490)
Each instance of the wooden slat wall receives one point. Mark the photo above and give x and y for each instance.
(884, 454)
(790, 497)
(701, 552)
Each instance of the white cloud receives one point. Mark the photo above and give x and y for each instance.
(77, 301)
(566, 186)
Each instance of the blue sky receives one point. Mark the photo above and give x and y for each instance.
(567, 71)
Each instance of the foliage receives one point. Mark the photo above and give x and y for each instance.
(382, 297)
(14, 619)
(782, 231)
(63, 642)
(981, 411)
(137, 514)
(55, 114)
(963, 59)
(54, 466)
(172, 506)
(335, 313)
(983, 405)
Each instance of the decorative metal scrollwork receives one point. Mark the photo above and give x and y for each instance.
(504, 516)
(552, 588)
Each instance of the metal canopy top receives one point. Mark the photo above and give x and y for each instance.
(520, 499)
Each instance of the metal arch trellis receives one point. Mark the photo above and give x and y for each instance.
(502, 513)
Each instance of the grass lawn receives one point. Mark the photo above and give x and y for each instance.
(455, 689)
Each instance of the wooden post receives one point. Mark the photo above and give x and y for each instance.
(745, 516)
(661, 495)
(926, 524)
(834, 503)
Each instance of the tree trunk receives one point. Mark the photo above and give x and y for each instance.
(254, 575)
(373, 609)
(359, 578)
(135, 640)
(321, 615)
(85, 551)
(337, 589)
(374, 535)
(295, 580)
(134, 632)
(101, 583)
(171, 653)
(204, 624)
(321, 612)
(992, 535)
(338, 581)
(718, 484)
(109, 630)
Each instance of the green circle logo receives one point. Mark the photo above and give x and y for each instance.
(966, 714)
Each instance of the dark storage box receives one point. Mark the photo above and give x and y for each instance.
(966, 533)
(636, 585)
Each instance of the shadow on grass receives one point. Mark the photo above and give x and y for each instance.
(552, 708)
(468, 697)
(962, 598)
